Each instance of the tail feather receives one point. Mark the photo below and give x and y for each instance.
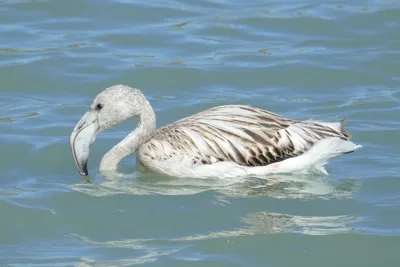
(342, 130)
(319, 154)
(338, 126)
(328, 148)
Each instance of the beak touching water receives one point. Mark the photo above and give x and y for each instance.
(83, 135)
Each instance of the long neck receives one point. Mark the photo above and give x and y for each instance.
(146, 125)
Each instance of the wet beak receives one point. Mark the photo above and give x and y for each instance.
(83, 135)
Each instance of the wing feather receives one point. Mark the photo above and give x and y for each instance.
(245, 135)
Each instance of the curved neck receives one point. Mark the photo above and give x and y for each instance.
(146, 125)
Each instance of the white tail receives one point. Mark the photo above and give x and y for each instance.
(318, 156)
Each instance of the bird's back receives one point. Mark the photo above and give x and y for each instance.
(241, 134)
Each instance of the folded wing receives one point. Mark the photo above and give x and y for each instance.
(244, 135)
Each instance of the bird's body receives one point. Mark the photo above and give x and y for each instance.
(225, 141)
(243, 136)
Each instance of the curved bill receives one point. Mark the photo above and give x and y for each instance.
(83, 135)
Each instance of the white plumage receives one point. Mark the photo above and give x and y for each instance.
(225, 141)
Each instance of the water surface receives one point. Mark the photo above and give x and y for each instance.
(316, 60)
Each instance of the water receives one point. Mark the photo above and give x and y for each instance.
(320, 60)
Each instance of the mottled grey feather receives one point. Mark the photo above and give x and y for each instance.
(245, 135)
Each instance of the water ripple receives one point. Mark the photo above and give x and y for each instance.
(315, 60)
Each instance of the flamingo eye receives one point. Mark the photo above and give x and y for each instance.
(99, 106)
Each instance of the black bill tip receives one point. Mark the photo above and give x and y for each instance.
(83, 170)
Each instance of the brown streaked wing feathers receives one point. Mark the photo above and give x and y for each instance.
(245, 135)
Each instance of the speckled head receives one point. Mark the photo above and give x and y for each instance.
(116, 104)
(112, 106)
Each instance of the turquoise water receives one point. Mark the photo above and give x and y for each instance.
(320, 60)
